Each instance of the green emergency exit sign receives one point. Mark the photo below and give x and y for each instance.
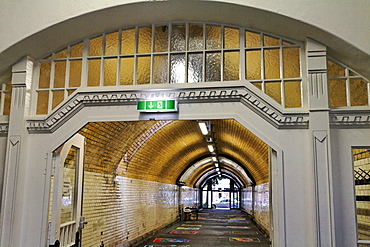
(157, 106)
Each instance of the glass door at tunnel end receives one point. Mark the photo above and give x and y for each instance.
(65, 220)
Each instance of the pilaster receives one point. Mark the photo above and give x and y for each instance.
(320, 142)
(13, 199)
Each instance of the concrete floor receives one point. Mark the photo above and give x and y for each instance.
(214, 228)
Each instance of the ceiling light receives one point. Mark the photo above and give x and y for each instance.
(211, 148)
(203, 128)
(214, 158)
(216, 164)
(217, 169)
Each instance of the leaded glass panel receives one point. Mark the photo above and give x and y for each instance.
(175, 53)
(195, 67)
(160, 69)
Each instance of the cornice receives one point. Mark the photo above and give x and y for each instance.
(183, 95)
(254, 100)
(4, 129)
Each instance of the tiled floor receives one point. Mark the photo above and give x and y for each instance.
(214, 228)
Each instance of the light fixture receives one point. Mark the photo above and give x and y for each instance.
(211, 148)
(217, 169)
(214, 158)
(203, 128)
(216, 165)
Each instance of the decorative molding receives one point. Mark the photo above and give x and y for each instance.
(350, 118)
(4, 128)
(253, 99)
(184, 95)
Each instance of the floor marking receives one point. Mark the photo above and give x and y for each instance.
(237, 219)
(187, 228)
(191, 225)
(240, 227)
(169, 240)
(183, 232)
(249, 240)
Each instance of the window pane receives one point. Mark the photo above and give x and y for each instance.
(231, 38)
(213, 66)
(145, 40)
(258, 85)
(7, 103)
(160, 73)
(335, 70)
(231, 66)
(195, 37)
(291, 63)
(292, 93)
(111, 44)
(178, 38)
(178, 68)
(61, 54)
(70, 91)
(195, 67)
(273, 90)
(253, 65)
(44, 80)
(361, 161)
(110, 71)
(337, 92)
(143, 70)
(269, 41)
(161, 38)
(42, 102)
(93, 77)
(213, 37)
(359, 93)
(8, 86)
(252, 39)
(128, 41)
(77, 50)
(127, 71)
(272, 64)
(58, 97)
(69, 182)
(95, 48)
(59, 74)
(75, 73)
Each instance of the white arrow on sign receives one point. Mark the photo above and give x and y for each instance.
(151, 105)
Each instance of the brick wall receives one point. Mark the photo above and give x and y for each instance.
(121, 209)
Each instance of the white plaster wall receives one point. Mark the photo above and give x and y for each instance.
(342, 141)
(346, 18)
(3, 140)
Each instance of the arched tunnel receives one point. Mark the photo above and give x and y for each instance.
(126, 160)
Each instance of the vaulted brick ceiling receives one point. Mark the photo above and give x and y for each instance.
(162, 150)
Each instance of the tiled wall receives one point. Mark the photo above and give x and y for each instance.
(121, 209)
(261, 205)
(189, 197)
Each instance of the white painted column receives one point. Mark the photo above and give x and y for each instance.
(13, 201)
(320, 142)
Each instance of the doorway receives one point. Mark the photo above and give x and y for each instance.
(221, 193)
